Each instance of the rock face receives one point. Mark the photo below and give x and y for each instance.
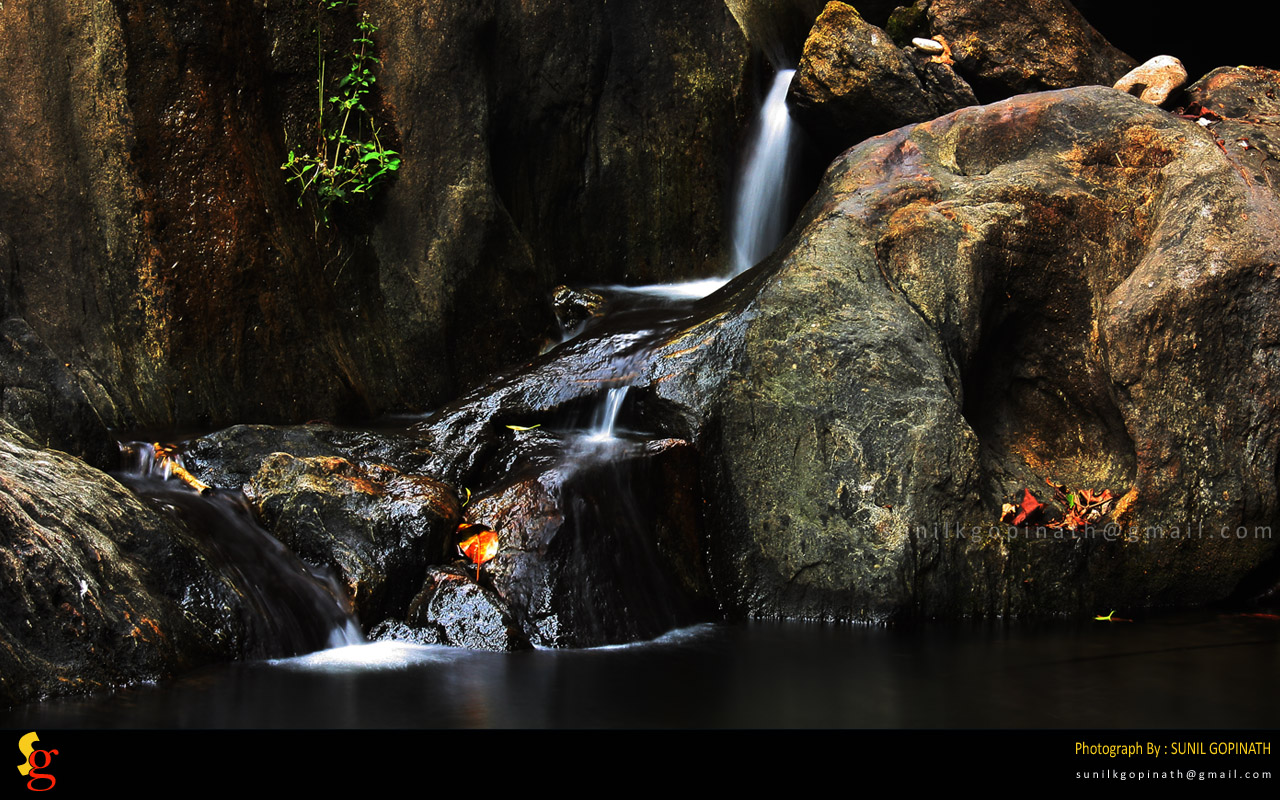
(1051, 288)
(41, 397)
(854, 82)
(1007, 47)
(159, 255)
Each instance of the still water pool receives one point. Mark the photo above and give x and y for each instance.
(1201, 670)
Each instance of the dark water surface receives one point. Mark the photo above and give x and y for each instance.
(1198, 670)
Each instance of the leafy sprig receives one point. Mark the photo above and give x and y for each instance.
(349, 158)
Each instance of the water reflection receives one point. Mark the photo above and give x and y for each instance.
(1199, 670)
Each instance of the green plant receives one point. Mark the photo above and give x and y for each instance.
(349, 158)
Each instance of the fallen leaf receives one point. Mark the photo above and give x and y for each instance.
(1112, 618)
(523, 427)
(1029, 506)
(481, 547)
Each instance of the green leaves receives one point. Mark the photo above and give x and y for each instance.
(349, 158)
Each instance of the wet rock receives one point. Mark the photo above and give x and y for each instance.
(159, 252)
(575, 306)
(231, 457)
(599, 548)
(41, 396)
(854, 82)
(452, 609)
(1002, 47)
(100, 589)
(1154, 80)
(375, 527)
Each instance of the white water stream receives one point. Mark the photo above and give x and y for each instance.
(759, 222)
(760, 207)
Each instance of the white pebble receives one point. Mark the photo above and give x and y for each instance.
(1155, 80)
(928, 45)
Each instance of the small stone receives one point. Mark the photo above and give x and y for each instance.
(1155, 80)
(928, 45)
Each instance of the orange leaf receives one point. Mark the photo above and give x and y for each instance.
(1091, 499)
(1029, 505)
(481, 547)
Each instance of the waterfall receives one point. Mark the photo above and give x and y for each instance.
(760, 207)
(606, 416)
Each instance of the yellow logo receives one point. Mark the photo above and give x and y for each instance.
(24, 744)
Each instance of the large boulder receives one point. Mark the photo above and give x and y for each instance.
(854, 82)
(1008, 47)
(1053, 288)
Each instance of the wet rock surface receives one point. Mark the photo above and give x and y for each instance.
(1051, 288)
(452, 609)
(160, 254)
(375, 527)
(102, 589)
(602, 547)
(353, 501)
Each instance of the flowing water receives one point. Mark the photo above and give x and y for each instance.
(608, 486)
(760, 208)
(292, 608)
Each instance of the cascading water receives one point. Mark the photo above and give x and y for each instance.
(289, 608)
(606, 417)
(760, 207)
(608, 494)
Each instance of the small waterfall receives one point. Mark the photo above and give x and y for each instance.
(760, 207)
(606, 416)
(289, 608)
(609, 491)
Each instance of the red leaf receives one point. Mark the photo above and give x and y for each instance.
(1029, 505)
